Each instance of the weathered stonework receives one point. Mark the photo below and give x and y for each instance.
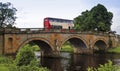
(1, 44)
(52, 42)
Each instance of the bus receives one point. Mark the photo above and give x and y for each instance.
(57, 23)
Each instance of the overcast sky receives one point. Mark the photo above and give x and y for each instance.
(32, 12)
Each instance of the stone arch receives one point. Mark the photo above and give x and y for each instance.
(75, 37)
(41, 42)
(100, 44)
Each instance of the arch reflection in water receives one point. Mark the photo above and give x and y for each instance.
(52, 63)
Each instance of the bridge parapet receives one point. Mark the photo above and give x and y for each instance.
(42, 30)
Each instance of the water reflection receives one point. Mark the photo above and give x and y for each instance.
(82, 62)
(52, 63)
(77, 62)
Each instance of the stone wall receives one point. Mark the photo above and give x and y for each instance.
(1, 43)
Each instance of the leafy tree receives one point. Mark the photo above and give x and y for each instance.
(98, 18)
(7, 14)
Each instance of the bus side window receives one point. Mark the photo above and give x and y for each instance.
(69, 27)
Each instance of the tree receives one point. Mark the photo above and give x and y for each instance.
(7, 14)
(98, 18)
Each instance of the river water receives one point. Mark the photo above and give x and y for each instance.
(78, 62)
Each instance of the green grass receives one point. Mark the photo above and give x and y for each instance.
(114, 50)
(4, 63)
(67, 48)
(3, 67)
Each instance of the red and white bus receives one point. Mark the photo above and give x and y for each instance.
(57, 23)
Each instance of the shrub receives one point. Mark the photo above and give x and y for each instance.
(26, 61)
(35, 47)
(26, 68)
(25, 56)
(5, 60)
(106, 67)
(13, 67)
(34, 68)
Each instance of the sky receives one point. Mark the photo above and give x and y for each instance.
(30, 13)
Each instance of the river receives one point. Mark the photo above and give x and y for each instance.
(78, 62)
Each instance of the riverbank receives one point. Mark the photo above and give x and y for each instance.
(7, 64)
(115, 50)
(67, 48)
(25, 61)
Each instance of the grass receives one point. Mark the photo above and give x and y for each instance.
(67, 48)
(3, 67)
(4, 63)
(114, 50)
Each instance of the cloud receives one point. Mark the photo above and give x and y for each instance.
(32, 14)
(116, 19)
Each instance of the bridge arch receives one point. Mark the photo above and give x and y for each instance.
(44, 44)
(76, 41)
(100, 44)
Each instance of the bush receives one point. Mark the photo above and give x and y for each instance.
(106, 67)
(26, 68)
(13, 67)
(35, 48)
(26, 61)
(25, 56)
(5, 60)
(34, 68)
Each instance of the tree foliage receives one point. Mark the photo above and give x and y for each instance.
(98, 18)
(25, 56)
(7, 14)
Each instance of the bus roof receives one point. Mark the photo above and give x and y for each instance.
(58, 19)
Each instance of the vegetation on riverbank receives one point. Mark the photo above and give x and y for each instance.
(24, 61)
(67, 47)
(35, 47)
(114, 50)
(106, 67)
(4, 63)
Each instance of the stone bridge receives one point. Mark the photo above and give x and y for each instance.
(51, 42)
